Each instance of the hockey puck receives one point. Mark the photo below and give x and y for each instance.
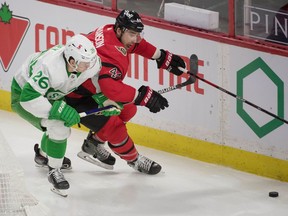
(273, 194)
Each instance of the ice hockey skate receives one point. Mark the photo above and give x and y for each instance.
(42, 161)
(145, 165)
(57, 179)
(94, 152)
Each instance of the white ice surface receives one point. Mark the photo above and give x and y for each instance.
(186, 187)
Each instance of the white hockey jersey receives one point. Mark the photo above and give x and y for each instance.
(44, 77)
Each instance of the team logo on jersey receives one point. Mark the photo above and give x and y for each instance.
(115, 74)
(54, 95)
(12, 32)
(122, 50)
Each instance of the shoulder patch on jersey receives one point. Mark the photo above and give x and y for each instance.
(115, 74)
(121, 50)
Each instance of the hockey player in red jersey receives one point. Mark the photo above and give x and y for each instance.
(114, 44)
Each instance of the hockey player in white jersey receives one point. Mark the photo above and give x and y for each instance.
(37, 93)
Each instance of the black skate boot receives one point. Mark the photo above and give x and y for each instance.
(94, 152)
(145, 165)
(42, 161)
(57, 179)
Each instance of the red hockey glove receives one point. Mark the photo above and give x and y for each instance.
(170, 62)
(151, 99)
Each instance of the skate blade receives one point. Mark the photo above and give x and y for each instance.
(65, 167)
(96, 162)
(41, 166)
(62, 193)
(46, 167)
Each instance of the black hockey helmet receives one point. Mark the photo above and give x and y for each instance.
(129, 19)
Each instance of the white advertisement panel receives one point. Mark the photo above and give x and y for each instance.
(199, 111)
(260, 78)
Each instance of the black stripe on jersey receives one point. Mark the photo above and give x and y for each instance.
(104, 76)
(106, 64)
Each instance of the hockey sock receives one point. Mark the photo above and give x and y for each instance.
(126, 149)
(95, 137)
(56, 150)
(43, 148)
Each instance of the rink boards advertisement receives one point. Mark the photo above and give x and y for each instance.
(199, 111)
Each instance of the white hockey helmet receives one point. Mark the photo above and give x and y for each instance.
(81, 49)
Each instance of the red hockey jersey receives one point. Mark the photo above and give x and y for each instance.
(115, 62)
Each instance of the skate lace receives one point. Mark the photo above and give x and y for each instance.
(101, 152)
(57, 175)
(143, 163)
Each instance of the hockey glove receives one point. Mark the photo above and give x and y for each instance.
(103, 101)
(151, 99)
(62, 111)
(170, 62)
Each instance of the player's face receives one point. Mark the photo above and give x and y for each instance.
(129, 38)
(83, 66)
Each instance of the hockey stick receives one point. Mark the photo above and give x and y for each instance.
(236, 96)
(98, 111)
(190, 80)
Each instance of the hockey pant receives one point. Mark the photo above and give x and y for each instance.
(93, 122)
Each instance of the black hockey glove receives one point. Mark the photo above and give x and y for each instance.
(170, 62)
(151, 99)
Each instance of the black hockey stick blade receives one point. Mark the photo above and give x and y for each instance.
(194, 66)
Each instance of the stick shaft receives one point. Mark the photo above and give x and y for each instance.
(177, 86)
